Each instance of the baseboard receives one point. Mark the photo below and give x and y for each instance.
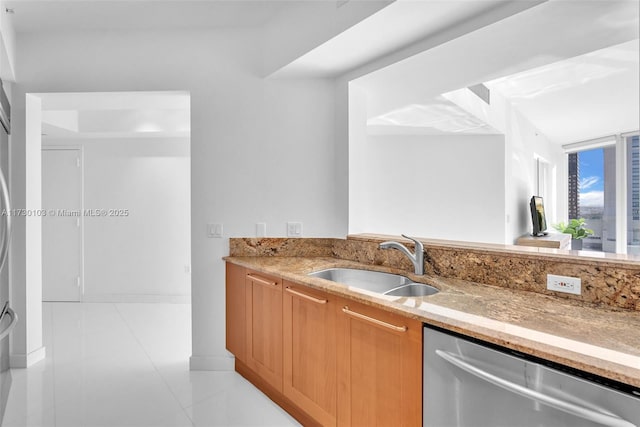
(211, 363)
(115, 298)
(26, 360)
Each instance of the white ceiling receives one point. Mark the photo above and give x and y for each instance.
(116, 115)
(571, 67)
(80, 15)
(395, 26)
(437, 117)
(585, 97)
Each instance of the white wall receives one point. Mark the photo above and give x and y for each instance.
(433, 186)
(436, 186)
(356, 98)
(523, 144)
(383, 173)
(500, 49)
(25, 257)
(142, 255)
(261, 151)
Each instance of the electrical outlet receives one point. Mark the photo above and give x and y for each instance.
(294, 229)
(569, 285)
(261, 229)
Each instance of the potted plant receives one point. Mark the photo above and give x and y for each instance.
(578, 230)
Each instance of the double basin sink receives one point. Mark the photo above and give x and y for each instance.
(376, 281)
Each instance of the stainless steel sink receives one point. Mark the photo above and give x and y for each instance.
(375, 281)
(413, 290)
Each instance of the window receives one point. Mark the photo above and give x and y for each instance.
(604, 188)
(592, 194)
(592, 191)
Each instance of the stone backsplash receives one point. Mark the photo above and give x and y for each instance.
(276, 246)
(613, 282)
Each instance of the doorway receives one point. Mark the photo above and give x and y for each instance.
(62, 224)
(116, 177)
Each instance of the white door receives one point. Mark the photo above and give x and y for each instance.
(62, 225)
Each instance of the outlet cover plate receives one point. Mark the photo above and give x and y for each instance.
(294, 229)
(566, 284)
(215, 230)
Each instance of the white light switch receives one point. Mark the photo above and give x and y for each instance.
(214, 230)
(261, 229)
(294, 229)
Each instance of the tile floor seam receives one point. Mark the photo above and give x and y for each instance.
(90, 373)
(164, 381)
(195, 402)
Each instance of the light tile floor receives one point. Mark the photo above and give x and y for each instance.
(120, 365)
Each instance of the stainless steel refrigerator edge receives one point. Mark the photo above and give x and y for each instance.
(8, 317)
(467, 384)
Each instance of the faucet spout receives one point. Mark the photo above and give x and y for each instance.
(417, 258)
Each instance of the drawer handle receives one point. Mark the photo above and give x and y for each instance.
(357, 315)
(262, 281)
(307, 297)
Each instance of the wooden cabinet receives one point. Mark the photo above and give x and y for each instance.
(263, 305)
(326, 360)
(235, 326)
(309, 324)
(379, 366)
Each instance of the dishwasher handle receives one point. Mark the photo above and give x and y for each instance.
(568, 407)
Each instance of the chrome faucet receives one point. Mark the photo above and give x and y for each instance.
(416, 258)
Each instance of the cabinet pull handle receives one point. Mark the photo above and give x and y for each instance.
(307, 297)
(357, 315)
(262, 281)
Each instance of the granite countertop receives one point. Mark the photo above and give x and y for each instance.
(600, 340)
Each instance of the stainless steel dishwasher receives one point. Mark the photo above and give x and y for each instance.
(469, 384)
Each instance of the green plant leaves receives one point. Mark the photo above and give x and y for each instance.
(576, 227)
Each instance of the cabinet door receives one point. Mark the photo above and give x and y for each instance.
(379, 367)
(309, 319)
(264, 327)
(235, 326)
